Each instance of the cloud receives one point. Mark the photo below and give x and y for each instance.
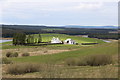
(53, 9)
(88, 6)
(49, 6)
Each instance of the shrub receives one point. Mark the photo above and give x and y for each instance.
(92, 60)
(23, 68)
(71, 61)
(25, 54)
(14, 54)
(45, 51)
(77, 44)
(99, 59)
(8, 54)
(81, 62)
(6, 61)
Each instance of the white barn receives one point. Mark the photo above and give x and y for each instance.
(55, 40)
(69, 41)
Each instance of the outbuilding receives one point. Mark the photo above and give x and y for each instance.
(56, 40)
(69, 41)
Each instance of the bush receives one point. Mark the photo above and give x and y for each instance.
(23, 68)
(100, 59)
(76, 62)
(45, 51)
(25, 54)
(71, 61)
(6, 61)
(92, 60)
(81, 62)
(14, 54)
(8, 54)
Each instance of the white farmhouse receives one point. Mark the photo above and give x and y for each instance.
(69, 41)
(55, 40)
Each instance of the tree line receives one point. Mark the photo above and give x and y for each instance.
(23, 39)
(105, 36)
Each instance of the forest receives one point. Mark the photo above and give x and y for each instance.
(10, 30)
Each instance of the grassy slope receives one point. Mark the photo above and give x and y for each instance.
(71, 72)
(109, 71)
(108, 48)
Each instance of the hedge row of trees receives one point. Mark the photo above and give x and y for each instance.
(33, 39)
(19, 39)
(22, 39)
(105, 36)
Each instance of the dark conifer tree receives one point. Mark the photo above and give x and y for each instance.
(39, 38)
(19, 39)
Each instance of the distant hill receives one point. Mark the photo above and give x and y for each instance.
(101, 27)
(10, 30)
(66, 26)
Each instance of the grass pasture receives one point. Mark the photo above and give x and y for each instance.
(48, 37)
(110, 49)
(56, 67)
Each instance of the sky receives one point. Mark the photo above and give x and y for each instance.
(59, 12)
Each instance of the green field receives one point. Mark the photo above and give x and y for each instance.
(48, 37)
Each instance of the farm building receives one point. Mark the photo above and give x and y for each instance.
(55, 40)
(69, 41)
